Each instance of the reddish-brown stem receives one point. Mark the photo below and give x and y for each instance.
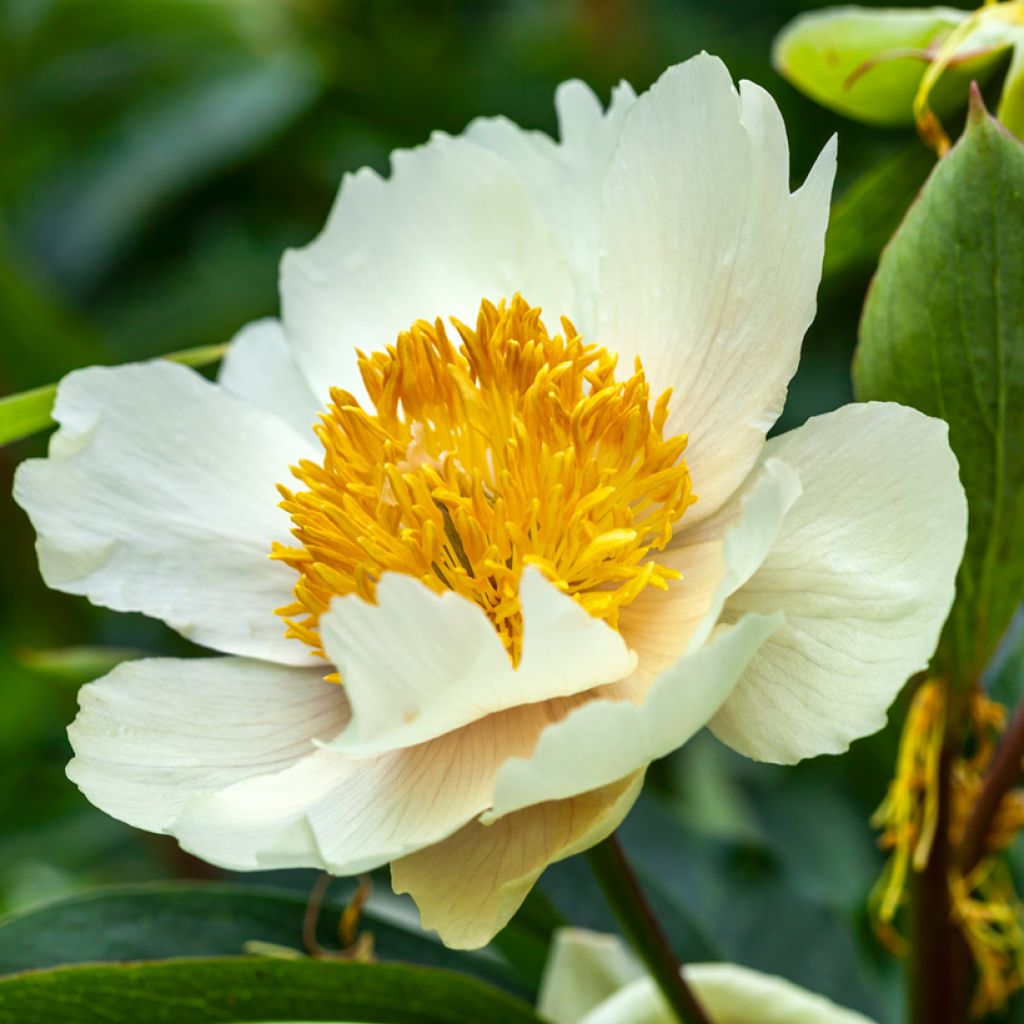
(939, 965)
(1003, 774)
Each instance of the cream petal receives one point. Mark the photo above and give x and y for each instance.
(730, 994)
(606, 739)
(346, 815)
(593, 978)
(640, 720)
(565, 177)
(153, 733)
(709, 265)
(863, 570)
(584, 968)
(159, 496)
(259, 368)
(453, 224)
(419, 664)
(468, 887)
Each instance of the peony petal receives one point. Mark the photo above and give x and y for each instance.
(709, 266)
(159, 496)
(863, 570)
(584, 968)
(593, 978)
(453, 224)
(606, 739)
(259, 368)
(419, 664)
(468, 887)
(153, 733)
(640, 720)
(347, 816)
(730, 994)
(565, 178)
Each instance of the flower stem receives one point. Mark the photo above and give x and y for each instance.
(1003, 774)
(938, 957)
(641, 928)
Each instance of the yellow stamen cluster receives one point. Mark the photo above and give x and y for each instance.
(515, 448)
(909, 814)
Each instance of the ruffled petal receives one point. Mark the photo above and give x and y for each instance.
(565, 178)
(153, 733)
(453, 224)
(863, 570)
(159, 496)
(259, 368)
(348, 815)
(418, 664)
(709, 265)
(468, 887)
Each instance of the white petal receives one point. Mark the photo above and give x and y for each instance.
(583, 969)
(730, 995)
(607, 739)
(863, 570)
(709, 266)
(468, 887)
(259, 368)
(640, 720)
(159, 496)
(454, 224)
(418, 664)
(347, 816)
(153, 733)
(565, 178)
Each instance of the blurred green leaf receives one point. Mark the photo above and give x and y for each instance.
(29, 412)
(943, 331)
(204, 991)
(82, 223)
(193, 919)
(867, 63)
(75, 664)
(864, 218)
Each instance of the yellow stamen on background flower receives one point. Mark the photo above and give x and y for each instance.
(516, 448)
(986, 907)
(909, 814)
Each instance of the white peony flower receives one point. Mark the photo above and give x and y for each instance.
(533, 568)
(592, 978)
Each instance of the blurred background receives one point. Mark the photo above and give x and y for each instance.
(157, 159)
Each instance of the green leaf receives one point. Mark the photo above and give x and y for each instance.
(867, 63)
(943, 331)
(176, 919)
(29, 412)
(207, 991)
(864, 218)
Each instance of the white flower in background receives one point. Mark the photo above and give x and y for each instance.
(593, 979)
(534, 563)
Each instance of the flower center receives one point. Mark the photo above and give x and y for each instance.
(516, 448)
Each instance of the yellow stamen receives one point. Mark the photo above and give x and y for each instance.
(516, 448)
(986, 907)
(909, 813)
